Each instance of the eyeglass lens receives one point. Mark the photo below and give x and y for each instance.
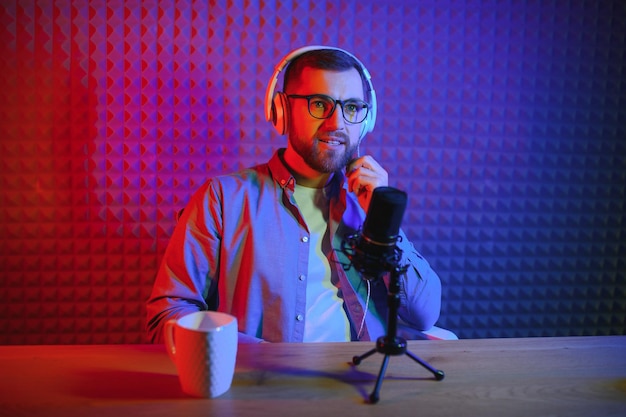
(322, 107)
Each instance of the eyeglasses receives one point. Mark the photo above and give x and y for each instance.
(322, 107)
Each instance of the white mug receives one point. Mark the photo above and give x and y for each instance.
(203, 346)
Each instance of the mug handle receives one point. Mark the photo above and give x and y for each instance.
(168, 335)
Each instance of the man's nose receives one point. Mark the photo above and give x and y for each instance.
(336, 120)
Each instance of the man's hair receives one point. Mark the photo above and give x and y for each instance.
(324, 59)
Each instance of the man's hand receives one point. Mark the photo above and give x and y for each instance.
(364, 175)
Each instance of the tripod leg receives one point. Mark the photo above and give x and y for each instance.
(374, 396)
(436, 372)
(357, 359)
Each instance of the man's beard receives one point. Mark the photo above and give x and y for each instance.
(326, 161)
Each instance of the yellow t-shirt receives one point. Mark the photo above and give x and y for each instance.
(326, 320)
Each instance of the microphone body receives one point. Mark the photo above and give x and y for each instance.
(373, 251)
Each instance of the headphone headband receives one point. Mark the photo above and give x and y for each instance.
(275, 103)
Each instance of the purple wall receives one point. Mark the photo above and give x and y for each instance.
(503, 120)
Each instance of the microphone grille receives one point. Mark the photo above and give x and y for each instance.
(384, 215)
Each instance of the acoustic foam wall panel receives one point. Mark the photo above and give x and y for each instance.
(504, 121)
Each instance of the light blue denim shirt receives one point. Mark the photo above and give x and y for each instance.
(241, 247)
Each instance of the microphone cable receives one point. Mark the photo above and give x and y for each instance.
(367, 304)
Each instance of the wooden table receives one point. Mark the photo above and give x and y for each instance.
(572, 376)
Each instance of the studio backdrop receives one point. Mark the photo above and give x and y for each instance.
(504, 121)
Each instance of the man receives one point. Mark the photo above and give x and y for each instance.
(264, 244)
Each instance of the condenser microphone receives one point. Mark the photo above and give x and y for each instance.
(373, 251)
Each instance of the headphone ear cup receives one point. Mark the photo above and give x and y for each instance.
(280, 114)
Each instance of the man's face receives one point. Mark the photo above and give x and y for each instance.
(325, 145)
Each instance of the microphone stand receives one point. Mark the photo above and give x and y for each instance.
(391, 344)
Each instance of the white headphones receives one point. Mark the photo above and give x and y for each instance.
(276, 103)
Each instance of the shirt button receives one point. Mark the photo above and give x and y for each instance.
(305, 239)
(299, 317)
(301, 277)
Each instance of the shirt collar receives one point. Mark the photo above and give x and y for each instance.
(279, 171)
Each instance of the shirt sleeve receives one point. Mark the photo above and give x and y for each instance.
(184, 281)
(420, 289)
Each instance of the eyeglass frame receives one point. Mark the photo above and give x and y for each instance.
(341, 102)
